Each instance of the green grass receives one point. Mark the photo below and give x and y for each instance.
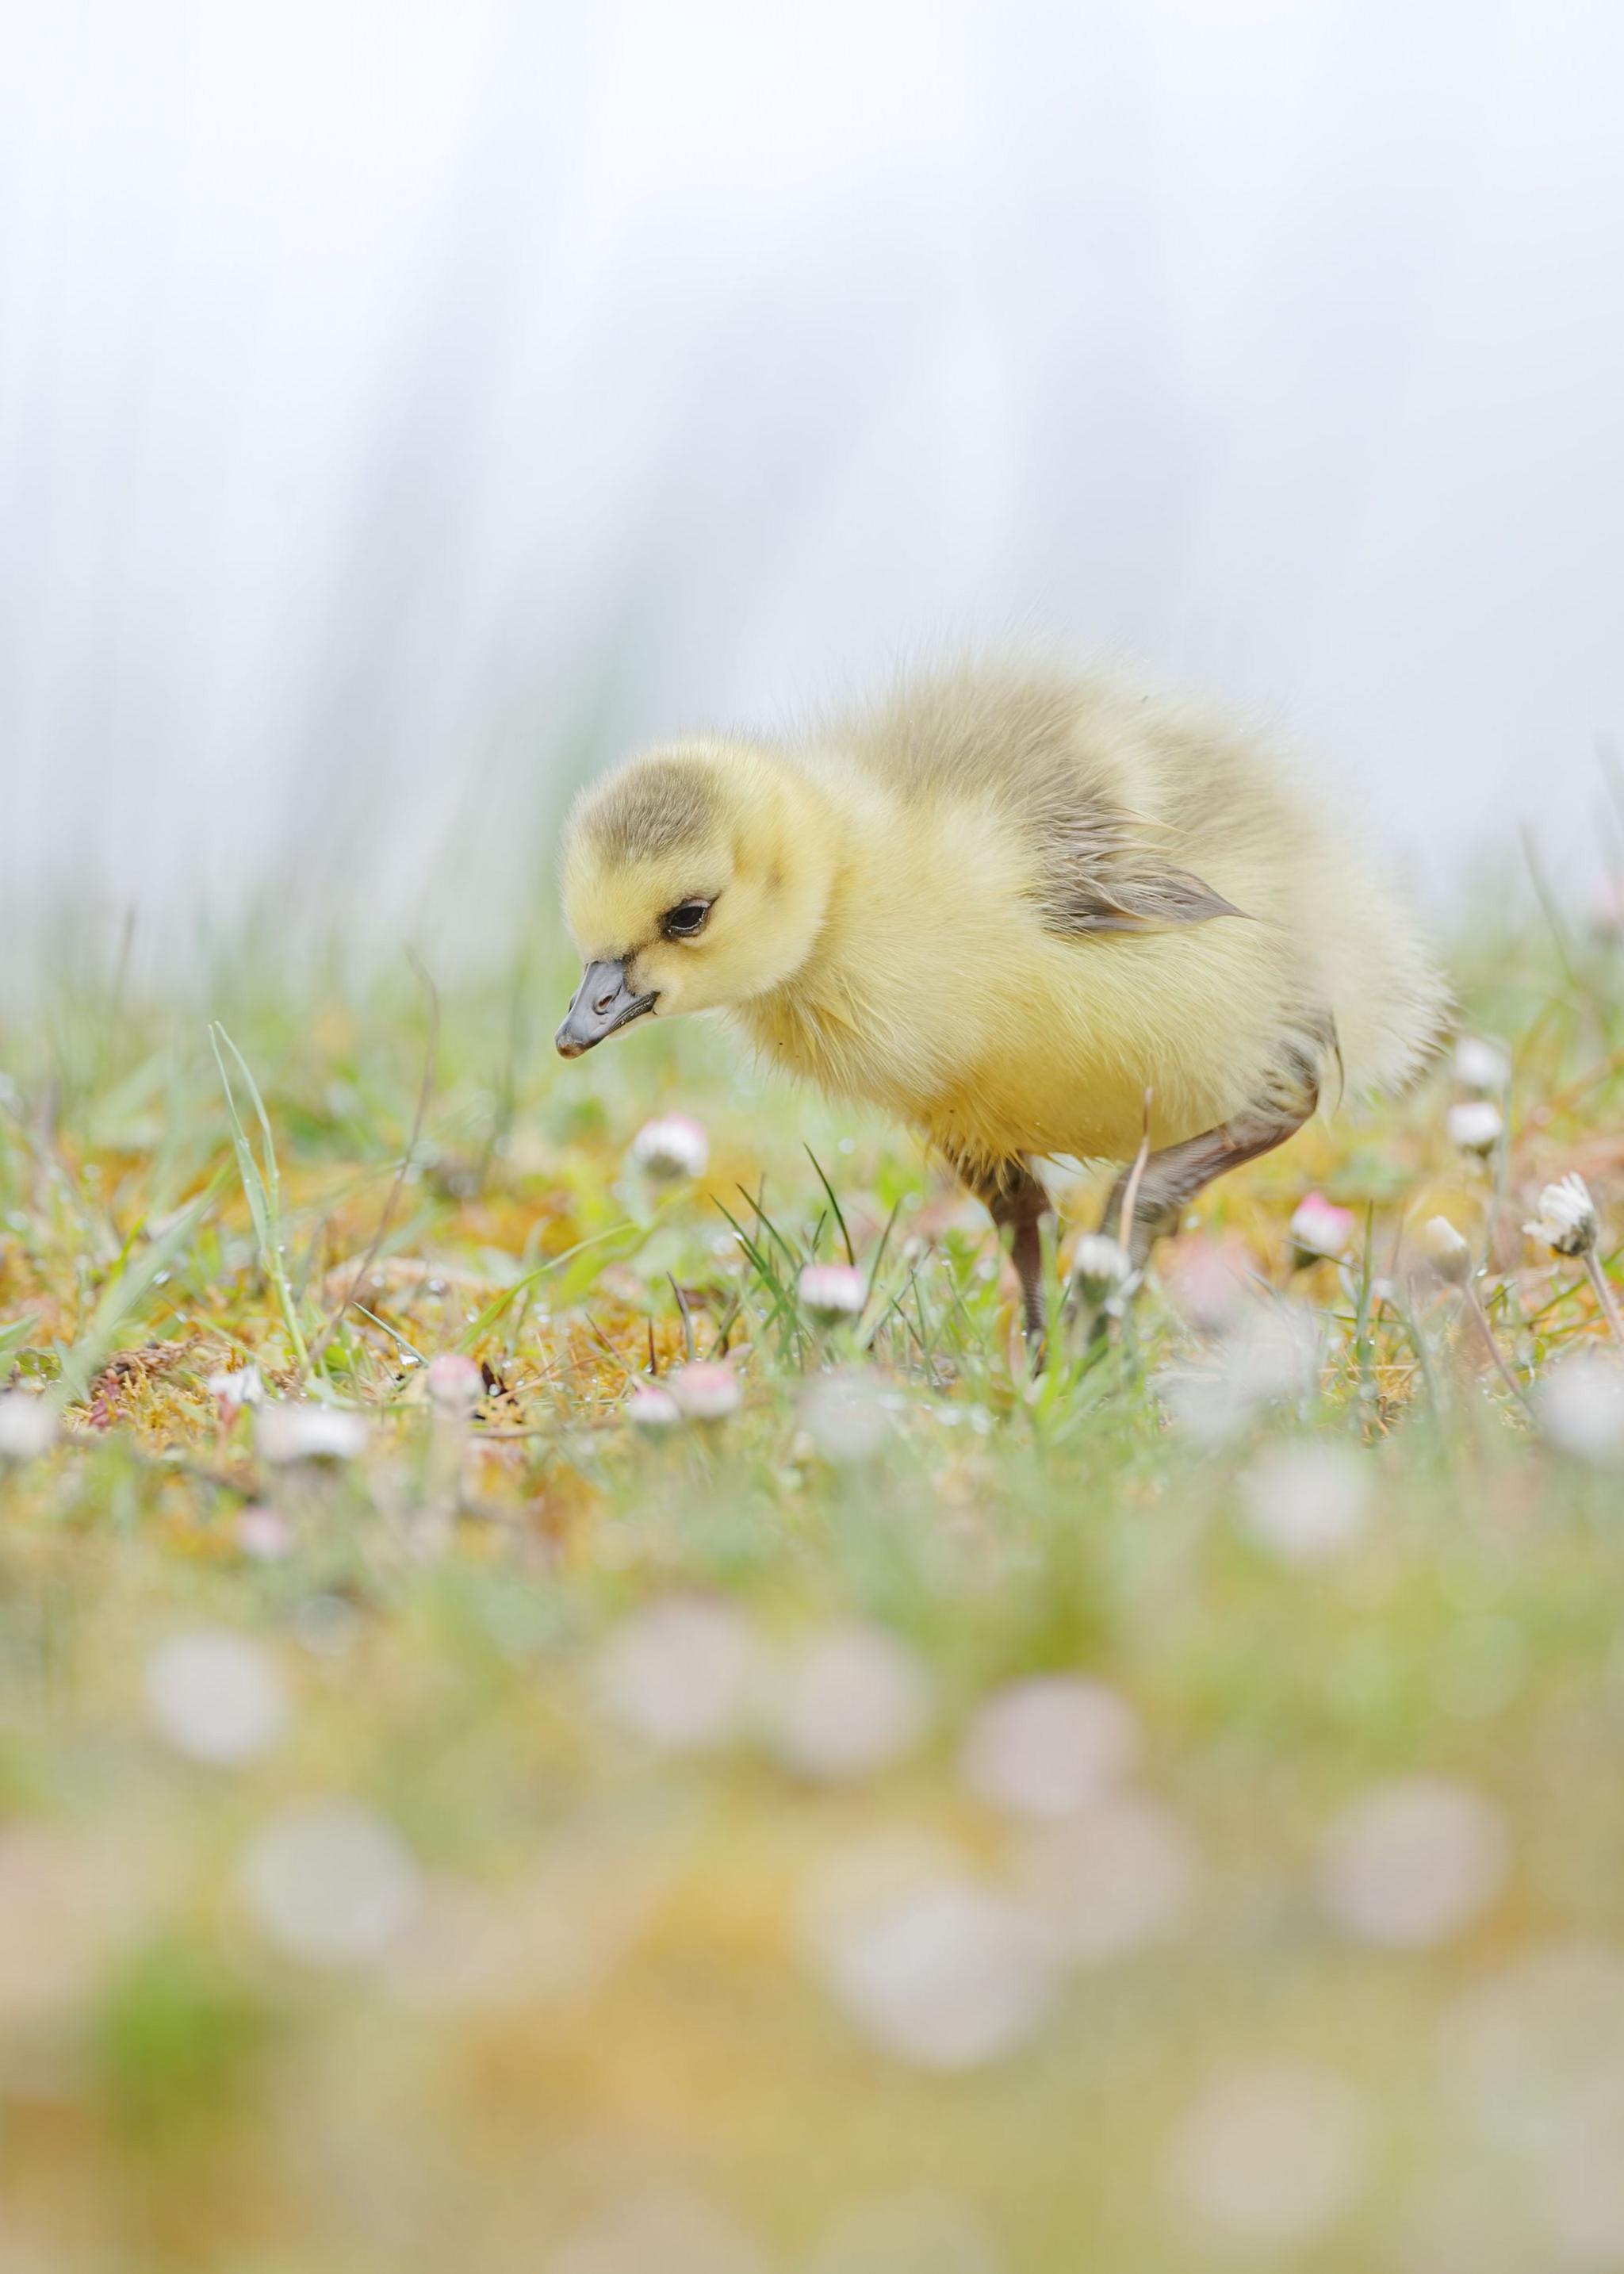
(579, 1985)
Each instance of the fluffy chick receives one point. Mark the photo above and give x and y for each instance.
(1008, 904)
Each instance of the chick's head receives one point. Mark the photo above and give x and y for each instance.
(694, 877)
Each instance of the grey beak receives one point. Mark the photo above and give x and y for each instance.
(602, 1003)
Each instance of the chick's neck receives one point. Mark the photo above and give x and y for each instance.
(816, 1002)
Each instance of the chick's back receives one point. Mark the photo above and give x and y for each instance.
(1123, 892)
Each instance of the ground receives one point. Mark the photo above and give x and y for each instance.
(1163, 1813)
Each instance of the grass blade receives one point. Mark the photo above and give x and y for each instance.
(851, 1253)
(262, 1187)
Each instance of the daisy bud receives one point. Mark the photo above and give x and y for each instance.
(216, 1697)
(1475, 1125)
(1100, 1267)
(849, 1702)
(833, 1291)
(1446, 1251)
(1566, 1222)
(1304, 1501)
(1481, 1066)
(27, 1426)
(1319, 1228)
(308, 1432)
(672, 1145)
(236, 1389)
(681, 1675)
(455, 1385)
(650, 1408)
(706, 1392)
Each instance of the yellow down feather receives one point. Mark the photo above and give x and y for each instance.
(887, 912)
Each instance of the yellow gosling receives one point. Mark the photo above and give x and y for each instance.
(1005, 903)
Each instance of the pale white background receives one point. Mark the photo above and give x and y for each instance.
(404, 403)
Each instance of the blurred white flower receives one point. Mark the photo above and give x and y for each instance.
(1475, 1125)
(330, 1883)
(1101, 1268)
(1567, 1220)
(681, 1673)
(1049, 1746)
(1412, 1865)
(1319, 1227)
(649, 1407)
(672, 1145)
(264, 1533)
(27, 1426)
(1207, 1280)
(706, 1391)
(1270, 2156)
(215, 1696)
(845, 1415)
(849, 1702)
(946, 1974)
(1581, 1408)
(1270, 1356)
(1306, 1502)
(455, 1385)
(1109, 1882)
(1446, 1251)
(831, 1291)
(1199, 1403)
(285, 1433)
(1481, 1065)
(1275, 1354)
(236, 1387)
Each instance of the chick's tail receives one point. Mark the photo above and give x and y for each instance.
(1387, 995)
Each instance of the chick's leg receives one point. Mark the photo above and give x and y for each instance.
(1172, 1177)
(1013, 1196)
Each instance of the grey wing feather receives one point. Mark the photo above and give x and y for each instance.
(1148, 899)
(1014, 737)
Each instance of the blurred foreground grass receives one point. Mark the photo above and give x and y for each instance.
(912, 1824)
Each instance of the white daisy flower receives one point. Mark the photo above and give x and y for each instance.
(1566, 1221)
(1483, 1066)
(1100, 1267)
(1475, 1125)
(1446, 1251)
(27, 1426)
(708, 1391)
(833, 1291)
(308, 1432)
(1319, 1227)
(672, 1145)
(456, 1384)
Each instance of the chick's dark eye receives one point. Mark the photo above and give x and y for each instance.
(683, 922)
